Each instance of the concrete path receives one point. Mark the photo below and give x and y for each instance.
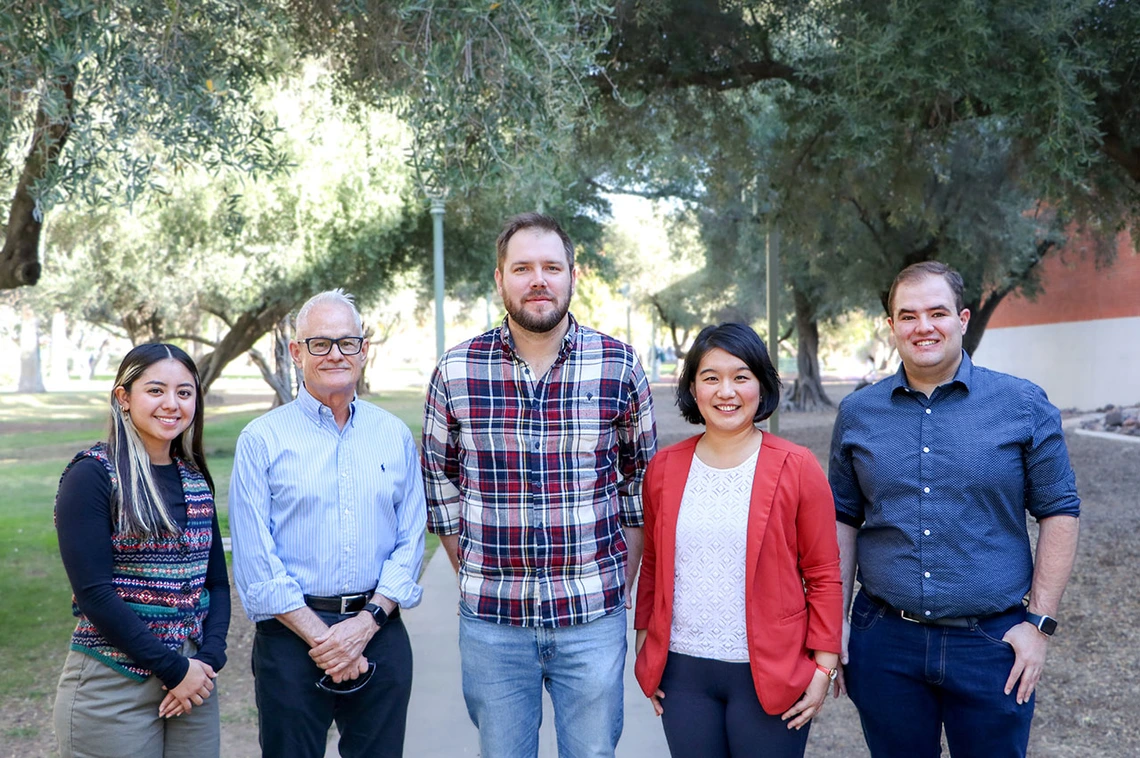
(438, 725)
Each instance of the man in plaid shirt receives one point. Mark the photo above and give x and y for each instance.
(536, 437)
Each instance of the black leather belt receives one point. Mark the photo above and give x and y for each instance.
(958, 622)
(341, 604)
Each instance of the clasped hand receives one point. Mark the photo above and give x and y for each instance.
(340, 650)
(193, 690)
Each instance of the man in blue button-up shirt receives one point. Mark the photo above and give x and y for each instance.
(327, 511)
(933, 471)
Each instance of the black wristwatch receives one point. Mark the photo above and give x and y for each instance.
(378, 614)
(1045, 624)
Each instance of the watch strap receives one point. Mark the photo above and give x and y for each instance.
(831, 673)
(378, 614)
(1047, 625)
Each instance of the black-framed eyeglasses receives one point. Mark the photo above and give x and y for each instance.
(348, 686)
(324, 345)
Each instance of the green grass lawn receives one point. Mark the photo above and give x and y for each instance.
(38, 436)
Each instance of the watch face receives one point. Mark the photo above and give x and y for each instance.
(1048, 625)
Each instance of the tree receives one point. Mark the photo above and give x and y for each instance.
(222, 265)
(101, 101)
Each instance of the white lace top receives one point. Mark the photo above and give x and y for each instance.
(708, 579)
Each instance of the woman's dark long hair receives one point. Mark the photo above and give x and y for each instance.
(137, 505)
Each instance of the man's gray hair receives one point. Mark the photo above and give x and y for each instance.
(329, 297)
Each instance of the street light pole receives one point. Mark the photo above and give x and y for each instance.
(437, 250)
(772, 254)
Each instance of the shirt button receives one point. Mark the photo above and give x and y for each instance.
(926, 450)
(926, 532)
(926, 613)
(927, 574)
(926, 490)
(928, 411)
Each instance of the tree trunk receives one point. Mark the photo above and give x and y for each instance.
(20, 256)
(241, 337)
(60, 351)
(980, 314)
(808, 394)
(31, 375)
(280, 377)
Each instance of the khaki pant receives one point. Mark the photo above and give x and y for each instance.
(100, 713)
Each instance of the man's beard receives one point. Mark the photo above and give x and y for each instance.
(538, 323)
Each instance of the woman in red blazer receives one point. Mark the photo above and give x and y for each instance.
(739, 602)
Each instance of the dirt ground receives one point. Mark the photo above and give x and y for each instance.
(1086, 701)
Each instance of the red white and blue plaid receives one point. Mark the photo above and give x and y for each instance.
(537, 477)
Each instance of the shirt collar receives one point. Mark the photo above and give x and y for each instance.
(311, 407)
(963, 376)
(567, 339)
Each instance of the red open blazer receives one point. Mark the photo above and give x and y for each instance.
(793, 595)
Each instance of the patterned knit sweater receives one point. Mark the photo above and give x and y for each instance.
(160, 577)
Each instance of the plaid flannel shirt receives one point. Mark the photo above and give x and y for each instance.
(537, 476)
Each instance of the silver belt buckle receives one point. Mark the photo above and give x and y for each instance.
(345, 600)
(905, 616)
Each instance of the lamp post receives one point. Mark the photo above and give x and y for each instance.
(772, 254)
(437, 251)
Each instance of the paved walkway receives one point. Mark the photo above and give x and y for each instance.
(438, 725)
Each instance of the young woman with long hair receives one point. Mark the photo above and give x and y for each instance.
(140, 542)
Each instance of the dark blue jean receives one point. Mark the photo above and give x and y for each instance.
(910, 680)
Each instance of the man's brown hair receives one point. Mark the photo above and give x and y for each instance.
(922, 270)
(532, 220)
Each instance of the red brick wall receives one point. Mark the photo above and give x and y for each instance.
(1074, 290)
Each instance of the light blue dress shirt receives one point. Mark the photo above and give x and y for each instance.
(317, 510)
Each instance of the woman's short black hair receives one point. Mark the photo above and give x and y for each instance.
(743, 342)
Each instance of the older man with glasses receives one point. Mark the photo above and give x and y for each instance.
(327, 513)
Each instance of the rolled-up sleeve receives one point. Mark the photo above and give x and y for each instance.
(637, 443)
(441, 459)
(1051, 485)
(850, 502)
(265, 587)
(399, 572)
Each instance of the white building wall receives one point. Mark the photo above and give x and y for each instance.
(1080, 364)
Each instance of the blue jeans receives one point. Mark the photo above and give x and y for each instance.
(910, 680)
(505, 668)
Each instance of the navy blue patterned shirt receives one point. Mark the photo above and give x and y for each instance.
(939, 487)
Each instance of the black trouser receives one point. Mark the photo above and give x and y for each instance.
(711, 710)
(294, 715)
